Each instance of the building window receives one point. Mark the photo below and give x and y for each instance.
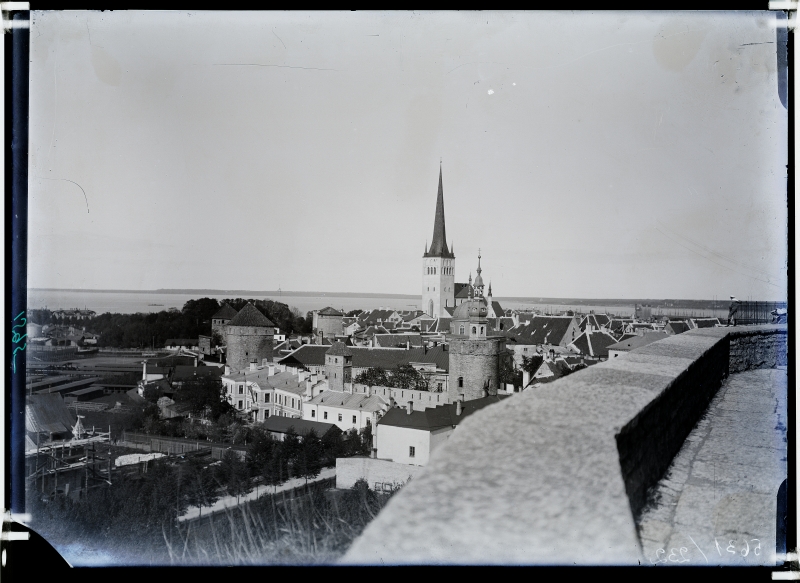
(325, 415)
(411, 451)
(313, 413)
(460, 382)
(473, 329)
(266, 413)
(241, 389)
(340, 416)
(461, 330)
(481, 329)
(369, 423)
(266, 397)
(438, 386)
(240, 404)
(354, 419)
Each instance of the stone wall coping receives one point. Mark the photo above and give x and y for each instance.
(536, 479)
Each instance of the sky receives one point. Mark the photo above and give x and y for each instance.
(598, 155)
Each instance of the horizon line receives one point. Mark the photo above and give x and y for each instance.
(279, 293)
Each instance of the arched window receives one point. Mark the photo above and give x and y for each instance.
(481, 329)
(460, 382)
(473, 329)
(461, 330)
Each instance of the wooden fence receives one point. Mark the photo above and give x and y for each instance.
(177, 445)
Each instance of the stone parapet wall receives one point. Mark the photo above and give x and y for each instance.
(765, 348)
(381, 475)
(555, 475)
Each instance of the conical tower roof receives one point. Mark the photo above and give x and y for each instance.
(226, 312)
(250, 316)
(438, 246)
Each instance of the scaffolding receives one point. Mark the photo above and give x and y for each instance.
(78, 462)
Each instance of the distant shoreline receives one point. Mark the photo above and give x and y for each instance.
(231, 292)
(611, 302)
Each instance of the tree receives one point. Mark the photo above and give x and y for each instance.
(216, 339)
(373, 377)
(405, 376)
(366, 440)
(309, 459)
(531, 364)
(508, 373)
(354, 313)
(259, 451)
(291, 451)
(232, 474)
(199, 485)
(332, 446)
(152, 393)
(205, 397)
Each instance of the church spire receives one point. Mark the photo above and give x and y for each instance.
(438, 246)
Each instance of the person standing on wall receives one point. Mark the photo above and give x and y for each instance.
(733, 310)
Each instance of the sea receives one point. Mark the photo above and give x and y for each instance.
(128, 302)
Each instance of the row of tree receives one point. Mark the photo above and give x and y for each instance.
(403, 376)
(194, 319)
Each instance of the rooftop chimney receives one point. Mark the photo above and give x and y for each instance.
(254, 365)
(301, 376)
(458, 407)
(227, 370)
(409, 407)
(270, 370)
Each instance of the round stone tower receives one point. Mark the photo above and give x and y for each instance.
(474, 351)
(249, 337)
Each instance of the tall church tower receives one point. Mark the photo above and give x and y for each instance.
(438, 266)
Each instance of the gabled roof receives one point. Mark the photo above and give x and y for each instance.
(226, 312)
(436, 417)
(461, 290)
(439, 325)
(450, 310)
(329, 312)
(47, 413)
(636, 341)
(280, 424)
(373, 316)
(596, 320)
(250, 316)
(540, 330)
(498, 311)
(507, 323)
(678, 327)
(386, 358)
(595, 343)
